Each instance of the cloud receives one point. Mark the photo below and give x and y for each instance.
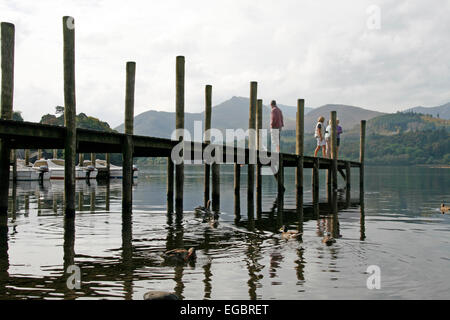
(322, 52)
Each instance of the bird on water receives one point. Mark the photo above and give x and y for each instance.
(179, 255)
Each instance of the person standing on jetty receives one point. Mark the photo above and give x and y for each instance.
(276, 123)
(318, 133)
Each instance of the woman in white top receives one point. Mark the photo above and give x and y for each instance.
(319, 137)
(328, 139)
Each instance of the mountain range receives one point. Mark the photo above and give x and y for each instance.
(442, 111)
(233, 114)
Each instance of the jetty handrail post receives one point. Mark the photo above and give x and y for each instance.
(299, 150)
(7, 95)
(258, 165)
(69, 115)
(251, 149)
(362, 148)
(127, 153)
(179, 125)
(208, 99)
(334, 169)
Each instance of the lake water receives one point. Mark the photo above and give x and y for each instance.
(399, 229)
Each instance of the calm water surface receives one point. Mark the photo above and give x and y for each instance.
(399, 228)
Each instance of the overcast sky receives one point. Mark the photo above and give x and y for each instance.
(322, 51)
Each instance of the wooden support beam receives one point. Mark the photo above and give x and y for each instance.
(7, 94)
(237, 191)
(93, 157)
(179, 125)
(315, 186)
(127, 153)
(55, 153)
(69, 115)
(347, 183)
(362, 142)
(258, 166)
(27, 157)
(252, 148)
(80, 159)
(334, 168)
(170, 176)
(14, 164)
(208, 108)
(280, 189)
(108, 165)
(299, 150)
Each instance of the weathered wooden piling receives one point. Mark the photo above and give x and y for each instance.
(39, 154)
(347, 182)
(251, 148)
(69, 115)
(361, 157)
(127, 152)
(334, 167)
(179, 121)
(258, 165)
(280, 188)
(208, 107)
(237, 191)
(315, 185)
(93, 157)
(7, 94)
(108, 165)
(27, 157)
(80, 159)
(55, 153)
(299, 150)
(170, 176)
(14, 163)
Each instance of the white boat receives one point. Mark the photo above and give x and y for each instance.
(29, 173)
(115, 172)
(56, 169)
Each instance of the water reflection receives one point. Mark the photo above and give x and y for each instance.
(119, 253)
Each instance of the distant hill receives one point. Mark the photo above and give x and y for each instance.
(442, 111)
(83, 121)
(391, 139)
(230, 114)
(349, 116)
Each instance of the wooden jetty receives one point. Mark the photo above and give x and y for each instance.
(27, 135)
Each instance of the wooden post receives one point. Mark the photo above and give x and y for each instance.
(361, 158)
(299, 148)
(258, 165)
(237, 191)
(93, 156)
(179, 121)
(69, 115)
(280, 195)
(80, 159)
(170, 169)
(55, 153)
(39, 154)
(251, 149)
(127, 153)
(14, 163)
(208, 99)
(27, 157)
(315, 185)
(108, 165)
(347, 183)
(7, 93)
(334, 169)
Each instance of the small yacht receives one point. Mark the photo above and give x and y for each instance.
(115, 172)
(29, 173)
(56, 169)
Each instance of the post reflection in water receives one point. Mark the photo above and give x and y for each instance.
(4, 258)
(127, 252)
(253, 254)
(175, 239)
(362, 219)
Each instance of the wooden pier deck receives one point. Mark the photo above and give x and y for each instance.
(27, 135)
